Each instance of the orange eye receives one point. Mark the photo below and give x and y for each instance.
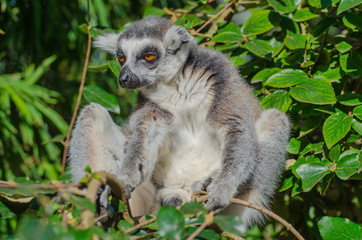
(149, 57)
(121, 59)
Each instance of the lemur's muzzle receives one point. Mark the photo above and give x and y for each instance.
(127, 79)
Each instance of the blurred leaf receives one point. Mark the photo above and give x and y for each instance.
(294, 146)
(258, 23)
(353, 21)
(204, 234)
(304, 14)
(115, 67)
(99, 67)
(357, 111)
(311, 173)
(347, 166)
(350, 99)
(81, 202)
(264, 74)
(231, 224)
(336, 127)
(284, 6)
(228, 37)
(154, 11)
(333, 228)
(286, 78)
(280, 99)
(98, 95)
(323, 25)
(314, 91)
(343, 47)
(259, 47)
(170, 223)
(344, 5)
(192, 208)
(5, 212)
(357, 126)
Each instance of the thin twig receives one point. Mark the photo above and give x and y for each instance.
(140, 225)
(232, 236)
(208, 220)
(143, 236)
(101, 217)
(86, 61)
(55, 186)
(214, 17)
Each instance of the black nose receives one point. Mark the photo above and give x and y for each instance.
(127, 79)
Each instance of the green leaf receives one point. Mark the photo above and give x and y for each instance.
(258, 23)
(347, 166)
(316, 91)
(259, 47)
(343, 47)
(5, 212)
(311, 173)
(357, 111)
(81, 202)
(284, 6)
(335, 153)
(192, 208)
(294, 146)
(98, 95)
(350, 99)
(287, 183)
(336, 127)
(115, 67)
(286, 78)
(304, 15)
(228, 37)
(170, 223)
(154, 11)
(357, 126)
(231, 224)
(332, 74)
(279, 99)
(351, 62)
(204, 234)
(295, 41)
(333, 228)
(189, 21)
(344, 5)
(99, 67)
(323, 25)
(353, 21)
(264, 74)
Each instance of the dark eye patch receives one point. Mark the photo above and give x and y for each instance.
(149, 50)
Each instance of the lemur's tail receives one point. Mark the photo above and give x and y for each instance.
(272, 129)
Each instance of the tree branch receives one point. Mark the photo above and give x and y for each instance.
(140, 225)
(208, 220)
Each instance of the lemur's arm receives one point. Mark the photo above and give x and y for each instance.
(147, 128)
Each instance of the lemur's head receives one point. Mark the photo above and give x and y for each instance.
(150, 51)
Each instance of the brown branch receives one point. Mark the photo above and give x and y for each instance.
(101, 217)
(208, 220)
(256, 207)
(215, 16)
(86, 61)
(55, 186)
(232, 236)
(140, 225)
(87, 216)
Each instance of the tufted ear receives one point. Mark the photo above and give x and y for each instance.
(107, 42)
(175, 38)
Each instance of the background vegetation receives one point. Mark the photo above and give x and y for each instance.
(301, 56)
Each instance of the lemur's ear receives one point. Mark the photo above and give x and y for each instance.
(175, 38)
(107, 42)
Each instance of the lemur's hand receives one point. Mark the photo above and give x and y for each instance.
(220, 194)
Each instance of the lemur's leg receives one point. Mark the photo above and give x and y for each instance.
(97, 141)
(148, 128)
(272, 130)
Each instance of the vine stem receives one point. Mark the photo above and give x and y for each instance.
(140, 225)
(215, 16)
(84, 73)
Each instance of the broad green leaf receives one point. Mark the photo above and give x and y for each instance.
(170, 223)
(189, 21)
(98, 95)
(347, 166)
(304, 15)
(287, 183)
(343, 47)
(154, 11)
(81, 202)
(284, 6)
(351, 62)
(279, 99)
(259, 47)
(344, 5)
(313, 90)
(350, 99)
(294, 146)
(357, 126)
(231, 224)
(357, 111)
(336, 127)
(258, 23)
(228, 37)
(322, 3)
(286, 78)
(277, 46)
(115, 67)
(332, 74)
(264, 74)
(334, 228)
(124, 224)
(323, 25)
(240, 59)
(230, 27)
(349, 152)
(5, 212)
(335, 153)
(311, 173)
(353, 21)
(315, 148)
(295, 41)
(204, 234)
(192, 208)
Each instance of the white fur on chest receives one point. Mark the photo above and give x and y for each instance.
(192, 149)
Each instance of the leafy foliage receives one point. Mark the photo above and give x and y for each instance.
(301, 56)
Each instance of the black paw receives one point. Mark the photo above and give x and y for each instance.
(175, 201)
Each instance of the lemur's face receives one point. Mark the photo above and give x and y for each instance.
(150, 51)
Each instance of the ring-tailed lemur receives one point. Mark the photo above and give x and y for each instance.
(197, 125)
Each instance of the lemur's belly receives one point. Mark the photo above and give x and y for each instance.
(191, 152)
